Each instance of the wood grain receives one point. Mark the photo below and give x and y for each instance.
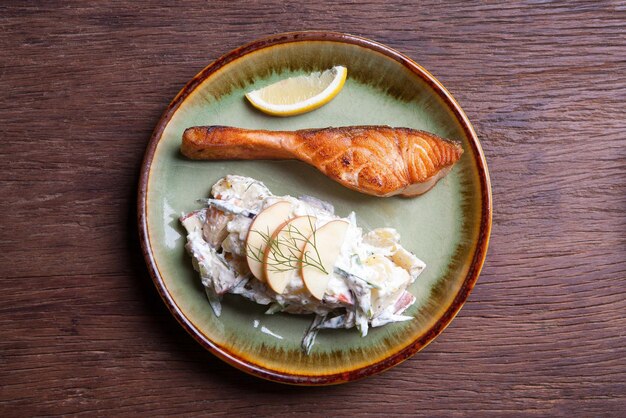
(83, 331)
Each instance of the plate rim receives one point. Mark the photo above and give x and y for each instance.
(391, 360)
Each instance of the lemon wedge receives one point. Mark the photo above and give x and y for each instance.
(296, 95)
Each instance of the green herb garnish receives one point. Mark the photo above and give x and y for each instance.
(284, 254)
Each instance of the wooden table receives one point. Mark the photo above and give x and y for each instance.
(83, 330)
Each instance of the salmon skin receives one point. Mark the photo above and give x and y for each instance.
(376, 160)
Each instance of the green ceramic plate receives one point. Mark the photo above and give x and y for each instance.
(448, 227)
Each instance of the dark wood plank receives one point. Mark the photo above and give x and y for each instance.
(83, 331)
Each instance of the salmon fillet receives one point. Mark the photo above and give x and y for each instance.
(376, 160)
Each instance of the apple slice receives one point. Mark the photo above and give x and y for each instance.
(327, 240)
(287, 244)
(261, 229)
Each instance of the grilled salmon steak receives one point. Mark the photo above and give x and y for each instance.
(376, 160)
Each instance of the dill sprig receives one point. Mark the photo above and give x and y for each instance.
(284, 253)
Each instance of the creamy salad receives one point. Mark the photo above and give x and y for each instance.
(296, 256)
